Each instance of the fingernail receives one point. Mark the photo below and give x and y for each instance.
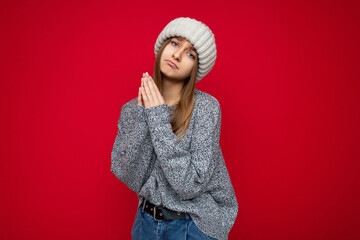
(145, 80)
(147, 74)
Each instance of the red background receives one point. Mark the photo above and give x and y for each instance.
(286, 77)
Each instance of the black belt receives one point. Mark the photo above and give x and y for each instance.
(161, 213)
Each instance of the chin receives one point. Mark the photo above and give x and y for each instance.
(167, 71)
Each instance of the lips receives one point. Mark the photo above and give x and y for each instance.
(172, 64)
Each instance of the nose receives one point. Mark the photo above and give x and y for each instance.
(177, 54)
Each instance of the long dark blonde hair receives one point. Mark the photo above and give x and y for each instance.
(182, 114)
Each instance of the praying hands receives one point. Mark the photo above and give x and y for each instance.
(149, 94)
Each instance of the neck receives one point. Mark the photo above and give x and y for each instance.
(171, 91)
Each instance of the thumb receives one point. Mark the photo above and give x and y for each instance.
(139, 99)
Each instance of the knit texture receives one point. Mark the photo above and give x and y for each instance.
(201, 37)
(187, 176)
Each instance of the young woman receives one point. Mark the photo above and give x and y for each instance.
(167, 148)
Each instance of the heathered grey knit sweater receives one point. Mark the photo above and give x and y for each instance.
(187, 176)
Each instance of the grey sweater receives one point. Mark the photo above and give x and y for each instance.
(187, 176)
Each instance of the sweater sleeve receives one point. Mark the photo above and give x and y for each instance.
(132, 150)
(187, 171)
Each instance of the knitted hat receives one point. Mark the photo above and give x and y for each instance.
(199, 35)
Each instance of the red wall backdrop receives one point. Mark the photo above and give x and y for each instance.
(286, 76)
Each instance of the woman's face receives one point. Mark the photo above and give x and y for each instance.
(181, 52)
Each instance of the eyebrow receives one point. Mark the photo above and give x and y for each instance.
(181, 39)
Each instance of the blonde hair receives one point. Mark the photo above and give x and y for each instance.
(182, 114)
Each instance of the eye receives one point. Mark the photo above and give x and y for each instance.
(192, 56)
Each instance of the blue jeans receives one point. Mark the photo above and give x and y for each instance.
(145, 227)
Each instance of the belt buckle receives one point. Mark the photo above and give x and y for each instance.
(155, 214)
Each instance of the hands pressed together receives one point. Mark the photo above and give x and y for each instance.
(149, 94)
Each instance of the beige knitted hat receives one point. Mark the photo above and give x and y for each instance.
(199, 35)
